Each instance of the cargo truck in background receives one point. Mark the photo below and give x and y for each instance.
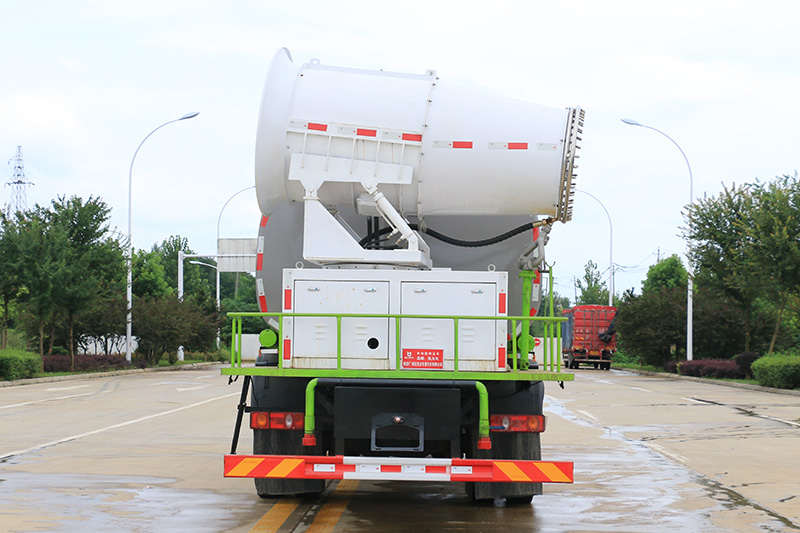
(589, 336)
(399, 258)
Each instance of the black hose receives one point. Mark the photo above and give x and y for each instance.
(450, 240)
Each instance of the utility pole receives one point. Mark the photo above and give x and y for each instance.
(18, 183)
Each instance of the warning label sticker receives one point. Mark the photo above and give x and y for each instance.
(430, 359)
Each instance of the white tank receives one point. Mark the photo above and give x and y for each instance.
(431, 148)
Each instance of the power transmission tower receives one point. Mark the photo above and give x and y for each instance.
(18, 183)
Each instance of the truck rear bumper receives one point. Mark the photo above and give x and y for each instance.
(396, 469)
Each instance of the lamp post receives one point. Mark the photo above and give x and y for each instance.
(219, 219)
(690, 283)
(610, 250)
(128, 336)
(218, 302)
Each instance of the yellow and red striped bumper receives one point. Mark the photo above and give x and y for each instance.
(396, 468)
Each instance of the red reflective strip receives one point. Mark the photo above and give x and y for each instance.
(317, 127)
(264, 221)
(501, 305)
(462, 144)
(287, 349)
(262, 303)
(259, 261)
(435, 469)
(501, 357)
(391, 468)
(517, 146)
(412, 137)
(287, 299)
(366, 132)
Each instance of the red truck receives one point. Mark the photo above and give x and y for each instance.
(589, 336)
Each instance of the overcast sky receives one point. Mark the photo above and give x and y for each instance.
(83, 82)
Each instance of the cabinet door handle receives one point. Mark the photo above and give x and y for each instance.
(477, 291)
(420, 290)
(313, 289)
(371, 289)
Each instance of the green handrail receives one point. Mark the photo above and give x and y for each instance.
(236, 354)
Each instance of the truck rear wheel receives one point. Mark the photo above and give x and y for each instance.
(508, 398)
(283, 442)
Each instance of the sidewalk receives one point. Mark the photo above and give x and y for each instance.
(720, 382)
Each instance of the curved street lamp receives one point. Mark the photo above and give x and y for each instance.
(610, 250)
(129, 261)
(690, 283)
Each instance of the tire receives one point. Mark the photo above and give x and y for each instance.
(519, 500)
(504, 398)
(281, 442)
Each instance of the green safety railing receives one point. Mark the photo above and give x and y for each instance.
(552, 338)
(520, 346)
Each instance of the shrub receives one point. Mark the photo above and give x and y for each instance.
(16, 364)
(671, 367)
(744, 360)
(85, 363)
(779, 371)
(710, 368)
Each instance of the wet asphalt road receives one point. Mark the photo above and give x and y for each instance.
(144, 452)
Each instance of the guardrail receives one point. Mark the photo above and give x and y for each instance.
(518, 350)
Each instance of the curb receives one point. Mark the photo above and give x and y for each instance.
(721, 383)
(90, 375)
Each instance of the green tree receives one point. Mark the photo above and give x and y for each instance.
(665, 274)
(10, 283)
(148, 275)
(723, 253)
(89, 262)
(775, 232)
(593, 290)
(163, 323)
(37, 254)
(197, 279)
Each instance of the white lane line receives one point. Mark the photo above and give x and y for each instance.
(191, 388)
(47, 400)
(637, 388)
(695, 401)
(113, 426)
(68, 388)
(660, 449)
(588, 415)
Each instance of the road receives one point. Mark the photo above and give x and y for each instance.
(143, 452)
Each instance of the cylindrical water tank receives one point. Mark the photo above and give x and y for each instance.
(431, 148)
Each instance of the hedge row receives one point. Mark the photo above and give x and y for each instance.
(86, 363)
(711, 368)
(15, 364)
(778, 371)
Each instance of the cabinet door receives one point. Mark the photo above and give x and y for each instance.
(429, 337)
(361, 338)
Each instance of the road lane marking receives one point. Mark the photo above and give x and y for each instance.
(191, 388)
(588, 415)
(660, 449)
(114, 426)
(47, 400)
(68, 388)
(637, 388)
(332, 511)
(276, 516)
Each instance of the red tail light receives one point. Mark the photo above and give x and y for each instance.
(264, 420)
(526, 423)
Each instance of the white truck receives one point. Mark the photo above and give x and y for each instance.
(399, 259)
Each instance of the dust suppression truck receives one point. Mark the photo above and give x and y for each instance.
(399, 262)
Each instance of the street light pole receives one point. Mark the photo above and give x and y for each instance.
(690, 283)
(215, 267)
(610, 250)
(129, 261)
(219, 219)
